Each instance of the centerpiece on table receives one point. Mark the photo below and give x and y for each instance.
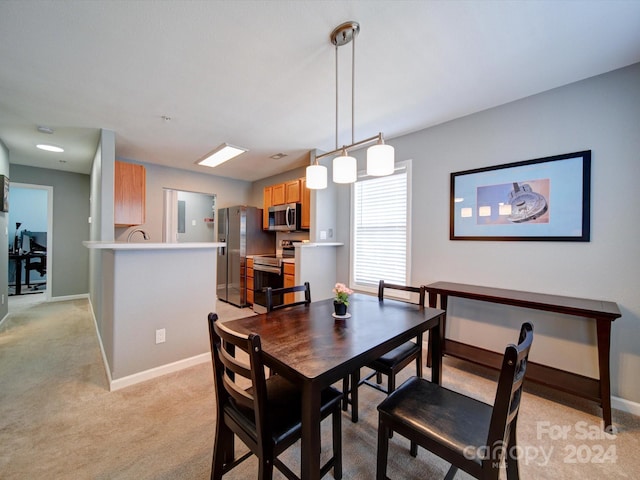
(341, 300)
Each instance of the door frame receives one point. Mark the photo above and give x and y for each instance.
(49, 190)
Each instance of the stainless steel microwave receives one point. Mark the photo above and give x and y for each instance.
(285, 218)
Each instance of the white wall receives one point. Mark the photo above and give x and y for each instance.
(601, 114)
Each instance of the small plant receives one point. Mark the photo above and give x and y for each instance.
(342, 293)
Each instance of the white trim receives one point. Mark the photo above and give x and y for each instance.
(49, 190)
(626, 405)
(70, 297)
(158, 371)
(104, 355)
(4, 318)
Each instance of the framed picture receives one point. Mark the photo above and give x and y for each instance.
(4, 193)
(545, 199)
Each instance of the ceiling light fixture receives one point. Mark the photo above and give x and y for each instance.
(50, 148)
(380, 157)
(220, 155)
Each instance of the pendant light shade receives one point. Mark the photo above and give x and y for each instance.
(380, 160)
(316, 177)
(345, 169)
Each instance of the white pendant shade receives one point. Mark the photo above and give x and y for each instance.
(316, 177)
(345, 169)
(380, 160)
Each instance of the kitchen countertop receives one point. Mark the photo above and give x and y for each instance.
(109, 245)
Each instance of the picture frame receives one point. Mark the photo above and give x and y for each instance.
(544, 199)
(4, 193)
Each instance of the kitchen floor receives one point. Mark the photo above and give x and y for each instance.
(227, 311)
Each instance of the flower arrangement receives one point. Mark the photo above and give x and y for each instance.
(342, 293)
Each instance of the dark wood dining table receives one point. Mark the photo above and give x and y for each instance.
(310, 347)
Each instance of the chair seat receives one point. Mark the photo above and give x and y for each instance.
(395, 356)
(440, 415)
(283, 408)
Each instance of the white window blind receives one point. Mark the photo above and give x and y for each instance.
(380, 230)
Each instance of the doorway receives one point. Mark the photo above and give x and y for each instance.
(30, 227)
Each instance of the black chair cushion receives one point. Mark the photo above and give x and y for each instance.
(439, 414)
(395, 356)
(283, 408)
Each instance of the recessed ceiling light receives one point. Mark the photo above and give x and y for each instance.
(47, 130)
(50, 148)
(220, 155)
(278, 156)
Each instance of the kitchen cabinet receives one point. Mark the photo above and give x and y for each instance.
(266, 203)
(129, 194)
(305, 200)
(250, 287)
(289, 281)
(278, 194)
(292, 191)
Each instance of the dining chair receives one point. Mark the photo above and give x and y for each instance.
(265, 413)
(272, 293)
(390, 363)
(469, 434)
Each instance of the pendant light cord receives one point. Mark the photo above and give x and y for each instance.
(353, 88)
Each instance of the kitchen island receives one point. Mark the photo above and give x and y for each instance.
(152, 319)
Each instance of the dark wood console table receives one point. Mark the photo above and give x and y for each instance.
(598, 390)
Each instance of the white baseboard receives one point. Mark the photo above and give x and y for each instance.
(127, 381)
(104, 355)
(3, 319)
(158, 371)
(626, 405)
(70, 297)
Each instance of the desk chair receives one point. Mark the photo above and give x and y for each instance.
(467, 433)
(272, 292)
(391, 362)
(266, 416)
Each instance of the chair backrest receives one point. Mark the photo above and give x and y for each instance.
(419, 290)
(509, 393)
(232, 376)
(272, 292)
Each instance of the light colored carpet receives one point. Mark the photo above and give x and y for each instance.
(58, 420)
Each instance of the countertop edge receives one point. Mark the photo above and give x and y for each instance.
(314, 245)
(151, 246)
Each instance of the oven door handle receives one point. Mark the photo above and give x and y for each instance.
(266, 268)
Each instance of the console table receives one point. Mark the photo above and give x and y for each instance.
(598, 390)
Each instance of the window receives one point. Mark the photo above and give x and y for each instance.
(380, 229)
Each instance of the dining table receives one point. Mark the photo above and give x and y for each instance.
(312, 348)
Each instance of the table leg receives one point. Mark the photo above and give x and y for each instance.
(603, 327)
(18, 276)
(436, 366)
(310, 448)
(433, 301)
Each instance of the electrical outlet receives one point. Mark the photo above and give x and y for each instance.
(323, 234)
(161, 335)
(3, 299)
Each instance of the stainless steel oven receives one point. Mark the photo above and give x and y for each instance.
(267, 272)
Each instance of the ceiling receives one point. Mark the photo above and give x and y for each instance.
(261, 74)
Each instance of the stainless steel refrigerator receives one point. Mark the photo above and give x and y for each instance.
(241, 228)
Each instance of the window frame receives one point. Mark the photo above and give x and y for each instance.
(400, 167)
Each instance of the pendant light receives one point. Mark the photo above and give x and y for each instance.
(380, 157)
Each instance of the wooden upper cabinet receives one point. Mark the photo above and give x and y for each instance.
(305, 221)
(266, 203)
(292, 191)
(278, 194)
(129, 194)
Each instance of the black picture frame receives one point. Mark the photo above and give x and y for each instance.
(544, 199)
(4, 193)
